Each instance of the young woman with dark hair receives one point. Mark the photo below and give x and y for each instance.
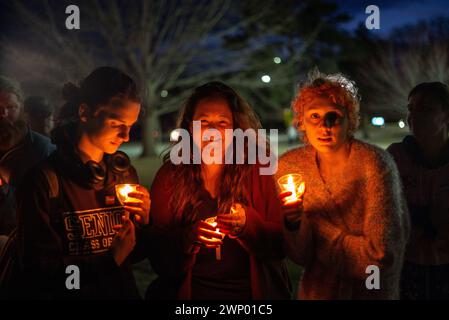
(68, 210)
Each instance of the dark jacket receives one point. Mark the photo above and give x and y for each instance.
(13, 166)
(426, 189)
(73, 229)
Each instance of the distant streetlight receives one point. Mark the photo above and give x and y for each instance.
(378, 121)
(174, 135)
(164, 93)
(277, 60)
(401, 124)
(265, 78)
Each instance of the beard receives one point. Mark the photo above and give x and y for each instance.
(11, 133)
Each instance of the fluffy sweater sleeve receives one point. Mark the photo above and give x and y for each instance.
(385, 225)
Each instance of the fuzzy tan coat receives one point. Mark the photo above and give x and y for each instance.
(350, 222)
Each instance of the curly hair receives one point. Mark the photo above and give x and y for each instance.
(335, 87)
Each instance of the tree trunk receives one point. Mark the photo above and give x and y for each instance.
(364, 126)
(150, 134)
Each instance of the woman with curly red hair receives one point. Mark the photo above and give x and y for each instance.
(351, 223)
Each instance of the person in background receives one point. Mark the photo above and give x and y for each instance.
(352, 219)
(39, 114)
(423, 162)
(20, 149)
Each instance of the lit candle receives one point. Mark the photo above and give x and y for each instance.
(212, 221)
(294, 184)
(123, 191)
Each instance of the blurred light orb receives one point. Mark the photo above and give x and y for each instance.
(265, 78)
(174, 135)
(277, 60)
(164, 93)
(378, 121)
(401, 124)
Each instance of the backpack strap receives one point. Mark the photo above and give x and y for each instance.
(54, 193)
(53, 182)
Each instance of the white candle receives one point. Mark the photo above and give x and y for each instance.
(213, 223)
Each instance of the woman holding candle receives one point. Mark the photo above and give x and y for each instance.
(352, 218)
(423, 162)
(68, 212)
(244, 202)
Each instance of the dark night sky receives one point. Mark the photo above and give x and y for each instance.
(394, 13)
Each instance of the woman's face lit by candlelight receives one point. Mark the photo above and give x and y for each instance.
(110, 124)
(214, 114)
(326, 125)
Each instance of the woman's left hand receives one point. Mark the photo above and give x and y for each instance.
(232, 223)
(139, 205)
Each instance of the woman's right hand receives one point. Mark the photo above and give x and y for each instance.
(124, 240)
(292, 211)
(203, 234)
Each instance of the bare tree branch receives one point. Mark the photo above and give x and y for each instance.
(394, 72)
(164, 45)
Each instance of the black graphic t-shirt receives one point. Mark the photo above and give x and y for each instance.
(76, 228)
(90, 231)
(89, 215)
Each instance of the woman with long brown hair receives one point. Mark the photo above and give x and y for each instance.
(244, 259)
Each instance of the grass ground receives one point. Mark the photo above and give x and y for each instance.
(147, 168)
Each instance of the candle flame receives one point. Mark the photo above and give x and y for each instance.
(293, 184)
(291, 187)
(212, 221)
(125, 190)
